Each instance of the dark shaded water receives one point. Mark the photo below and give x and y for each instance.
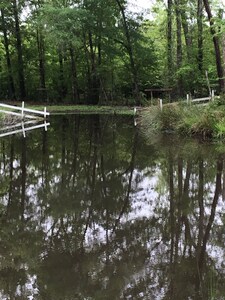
(91, 210)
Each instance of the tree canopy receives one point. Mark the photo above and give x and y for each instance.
(99, 51)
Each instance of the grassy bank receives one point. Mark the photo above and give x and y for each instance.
(85, 109)
(207, 122)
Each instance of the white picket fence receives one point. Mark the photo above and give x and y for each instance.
(23, 112)
(13, 129)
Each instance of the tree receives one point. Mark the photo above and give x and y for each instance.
(219, 65)
(12, 93)
(200, 35)
(20, 65)
(129, 49)
(169, 40)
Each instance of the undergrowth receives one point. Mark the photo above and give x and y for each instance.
(204, 121)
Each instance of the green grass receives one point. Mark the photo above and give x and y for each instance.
(207, 122)
(88, 109)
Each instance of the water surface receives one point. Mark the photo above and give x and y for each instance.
(91, 209)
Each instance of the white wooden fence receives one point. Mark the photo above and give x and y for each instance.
(13, 129)
(201, 100)
(23, 112)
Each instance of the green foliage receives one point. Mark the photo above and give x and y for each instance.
(149, 119)
(219, 129)
(94, 30)
(169, 117)
(153, 119)
(196, 121)
(206, 122)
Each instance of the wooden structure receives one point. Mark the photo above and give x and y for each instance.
(203, 100)
(22, 127)
(23, 112)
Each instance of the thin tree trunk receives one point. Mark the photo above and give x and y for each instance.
(40, 43)
(41, 58)
(188, 40)
(12, 93)
(200, 35)
(75, 91)
(87, 64)
(169, 38)
(131, 55)
(215, 38)
(19, 51)
(179, 43)
(94, 80)
(62, 88)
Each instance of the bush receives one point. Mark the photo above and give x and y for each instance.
(170, 117)
(207, 122)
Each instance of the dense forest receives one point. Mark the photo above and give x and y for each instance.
(101, 51)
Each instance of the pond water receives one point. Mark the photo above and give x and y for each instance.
(91, 209)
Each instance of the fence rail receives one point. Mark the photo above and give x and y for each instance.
(23, 129)
(199, 100)
(24, 112)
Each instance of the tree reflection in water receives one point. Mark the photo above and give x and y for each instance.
(91, 210)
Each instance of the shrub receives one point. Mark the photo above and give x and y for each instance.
(204, 121)
(170, 117)
(219, 129)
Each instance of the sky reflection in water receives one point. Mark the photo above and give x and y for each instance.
(92, 209)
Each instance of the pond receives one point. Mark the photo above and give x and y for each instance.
(91, 209)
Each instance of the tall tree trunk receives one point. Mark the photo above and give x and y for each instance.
(200, 35)
(88, 68)
(179, 43)
(219, 64)
(11, 93)
(131, 55)
(169, 38)
(99, 45)
(62, 88)
(41, 59)
(188, 40)
(222, 34)
(19, 51)
(74, 77)
(94, 80)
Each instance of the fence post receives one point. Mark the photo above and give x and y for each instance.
(188, 99)
(213, 95)
(45, 112)
(23, 129)
(160, 104)
(22, 112)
